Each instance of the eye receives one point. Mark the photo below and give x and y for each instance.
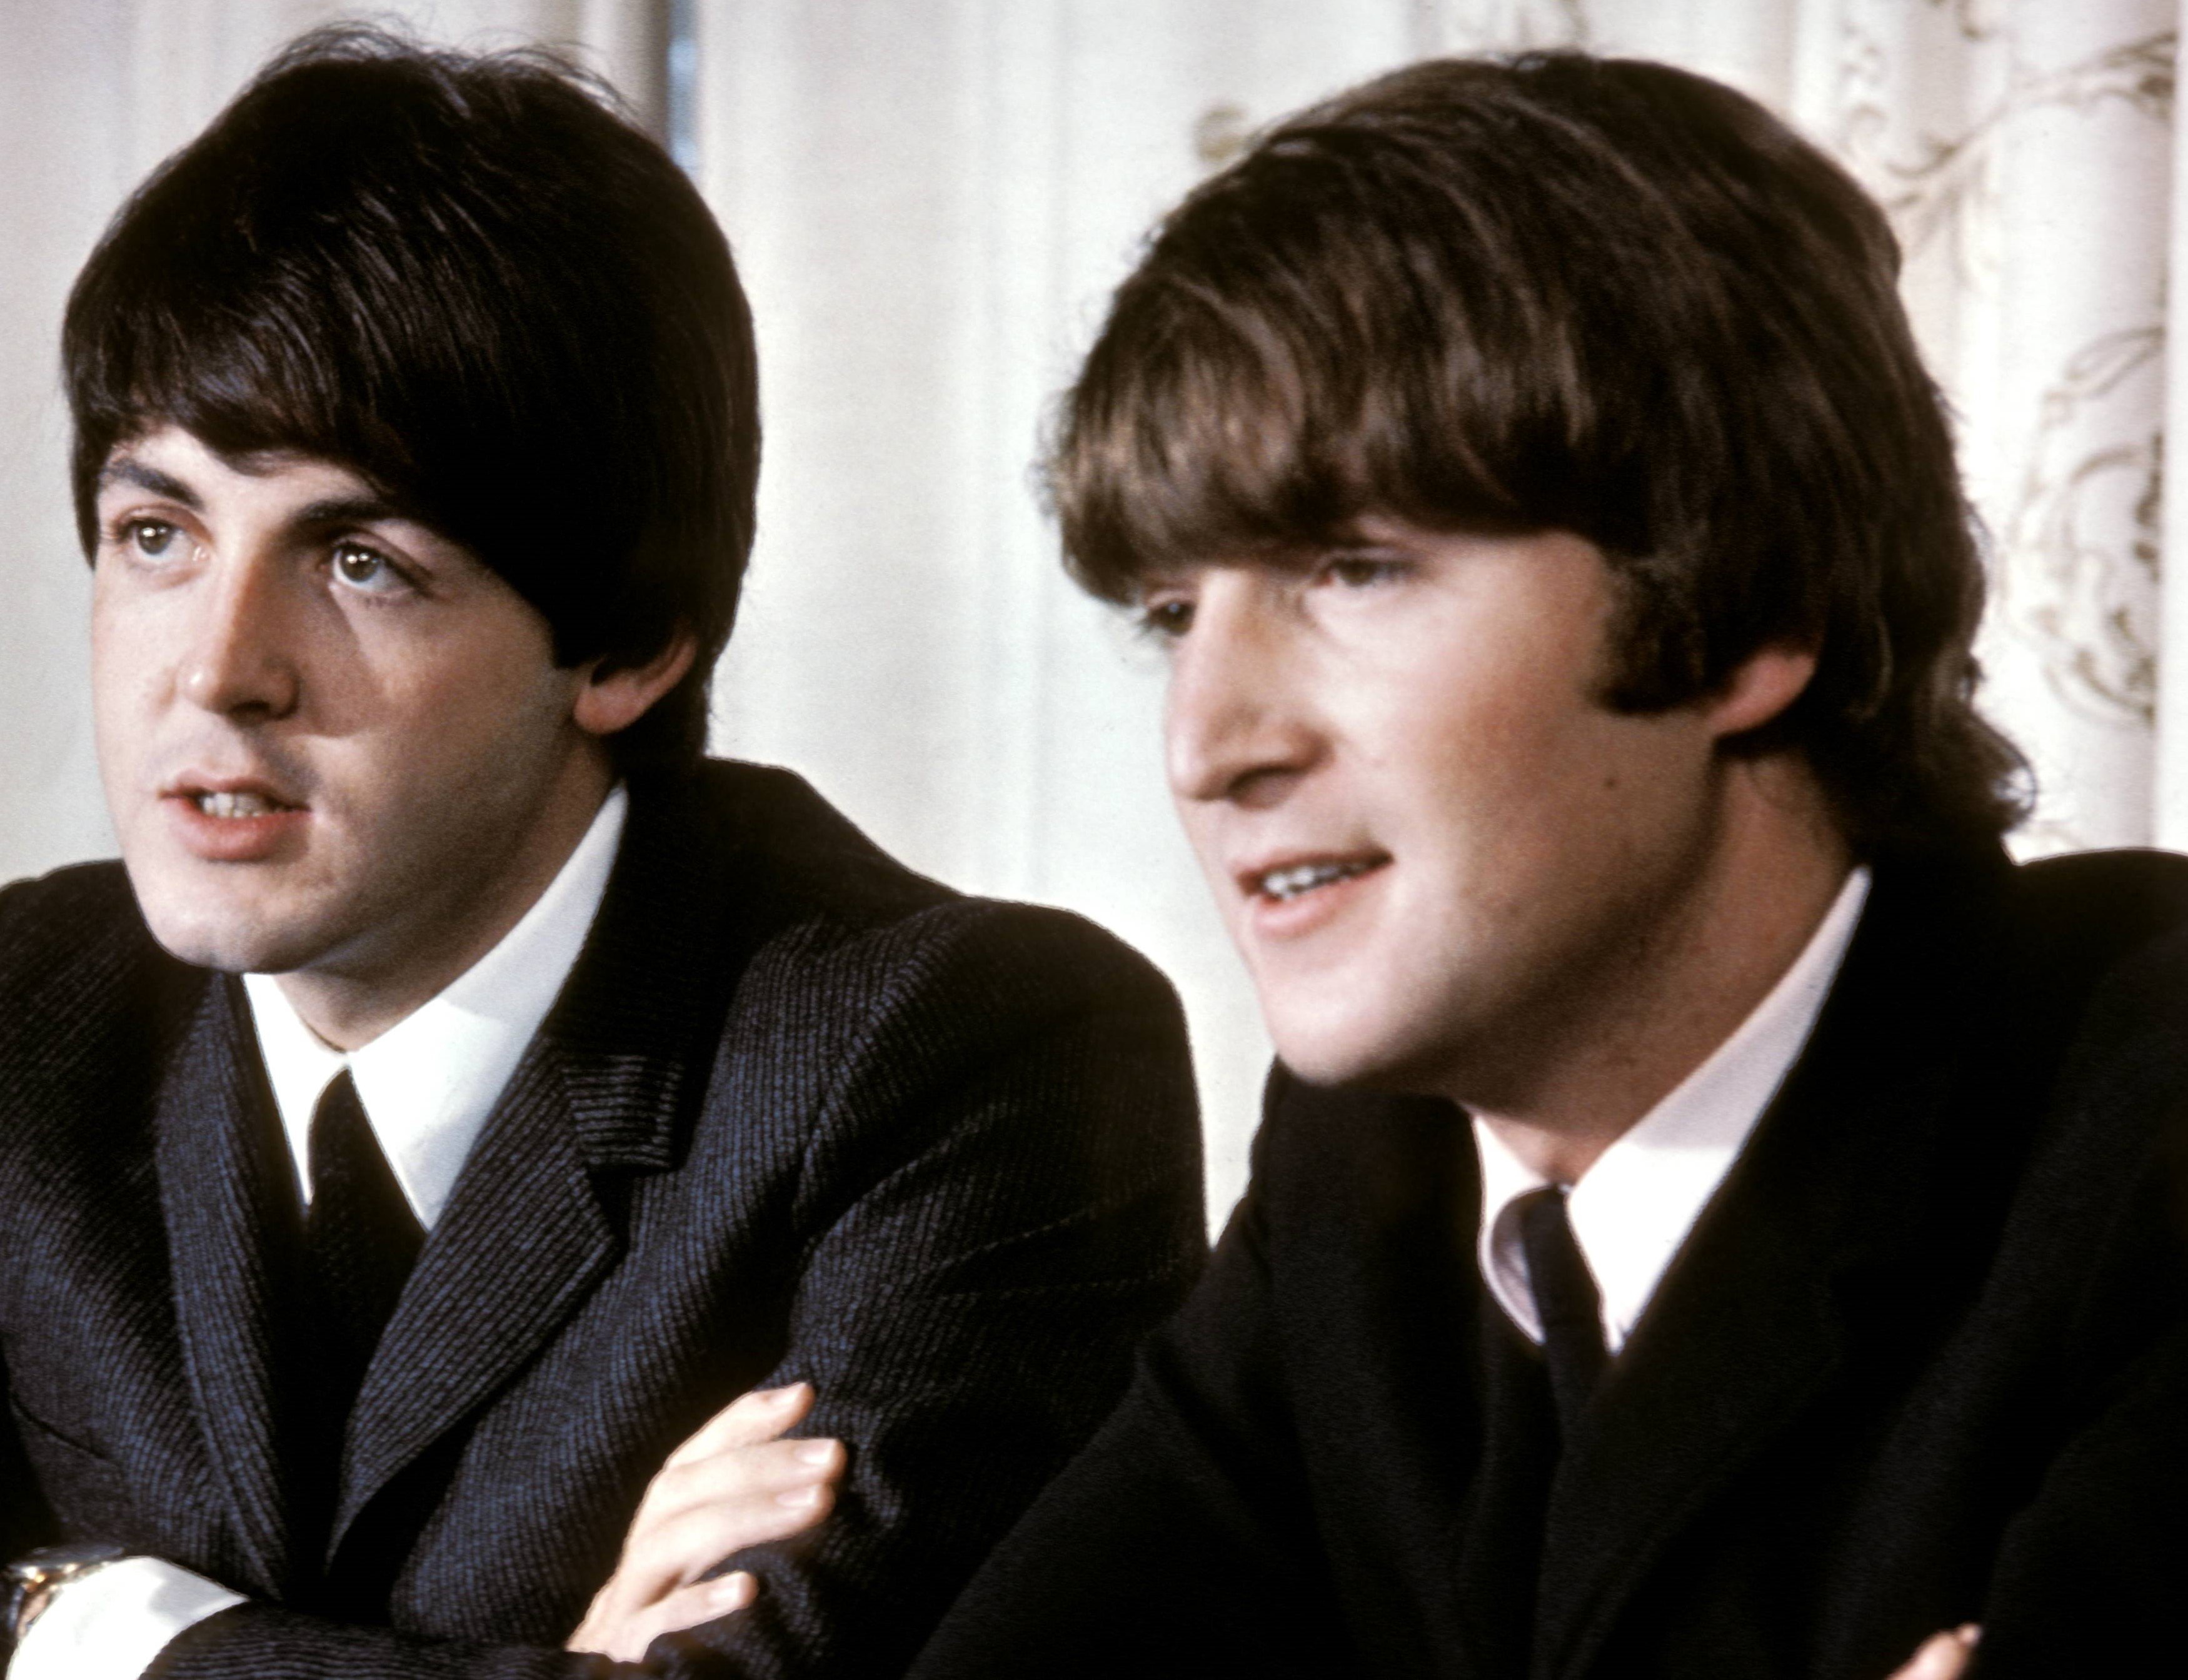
(154, 538)
(367, 571)
(1362, 570)
(1164, 617)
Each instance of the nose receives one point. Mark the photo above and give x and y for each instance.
(1237, 723)
(239, 662)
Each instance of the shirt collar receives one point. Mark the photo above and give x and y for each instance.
(1633, 1209)
(428, 1082)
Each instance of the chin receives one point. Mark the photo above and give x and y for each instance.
(228, 950)
(1322, 1057)
(195, 925)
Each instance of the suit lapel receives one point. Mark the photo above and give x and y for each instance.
(222, 1195)
(1751, 1323)
(1376, 1196)
(521, 1242)
(1740, 1340)
(604, 1088)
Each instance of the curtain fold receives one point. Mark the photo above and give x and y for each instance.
(2170, 720)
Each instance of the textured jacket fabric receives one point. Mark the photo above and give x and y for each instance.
(797, 1113)
(1923, 1361)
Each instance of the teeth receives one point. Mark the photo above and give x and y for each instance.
(1304, 878)
(236, 804)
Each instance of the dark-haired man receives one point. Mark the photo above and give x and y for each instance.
(1711, 1215)
(466, 1089)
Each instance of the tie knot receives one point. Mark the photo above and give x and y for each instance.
(340, 1129)
(1566, 1300)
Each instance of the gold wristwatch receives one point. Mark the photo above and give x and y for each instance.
(33, 1577)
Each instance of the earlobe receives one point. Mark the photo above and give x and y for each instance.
(1762, 686)
(612, 701)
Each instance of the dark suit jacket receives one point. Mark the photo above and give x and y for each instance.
(797, 1113)
(1922, 1361)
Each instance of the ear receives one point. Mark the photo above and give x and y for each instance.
(1762, 686)
(613, 700)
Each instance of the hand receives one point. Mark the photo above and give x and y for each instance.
(1943, 1656)
(732, 1485)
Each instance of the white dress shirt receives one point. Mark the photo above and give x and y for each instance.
(427, 1084)
(1633, 1209)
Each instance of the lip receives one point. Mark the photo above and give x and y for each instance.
(253, 839)
(1275, 918)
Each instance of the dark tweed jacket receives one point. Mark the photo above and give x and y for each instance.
(797, 1113)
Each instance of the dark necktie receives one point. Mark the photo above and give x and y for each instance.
(360, 1240)
(1566, 1300)
(360, 1237)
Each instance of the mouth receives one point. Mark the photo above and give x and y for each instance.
(230, 804)
(1285, 883)
(235, 820)
(230, 801)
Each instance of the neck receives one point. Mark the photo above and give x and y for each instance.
(350, 1006)
(1710, 959)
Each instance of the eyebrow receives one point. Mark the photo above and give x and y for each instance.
(349, 511)
(361, 510)
(128, 471)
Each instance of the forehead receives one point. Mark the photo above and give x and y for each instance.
(1377, 533)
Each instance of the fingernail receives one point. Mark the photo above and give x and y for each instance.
(786, 1394)
(733, 1588)
(815, 1452)
(799, 1497)
(1968, 1633)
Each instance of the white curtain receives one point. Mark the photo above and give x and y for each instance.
(931, 199)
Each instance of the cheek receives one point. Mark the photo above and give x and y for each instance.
(1198, 819)
(1471, 745)
(126, 673)
(112, 634)
(455, 690)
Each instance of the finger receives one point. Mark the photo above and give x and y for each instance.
(696, 1514)
(741, 1473)
(1942, 1656)
(682, 1551)
(761, 1414)
(624, 1637)
(702, 1601)
(671, 1544)
(744, 1487)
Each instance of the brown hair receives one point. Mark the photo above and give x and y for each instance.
(1605, 296)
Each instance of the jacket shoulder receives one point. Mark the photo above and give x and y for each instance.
(2115, 899)
(77, 926)
(86, 993)
(2083, 924)
(784, 844)
(783, 840)
(844, 938)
